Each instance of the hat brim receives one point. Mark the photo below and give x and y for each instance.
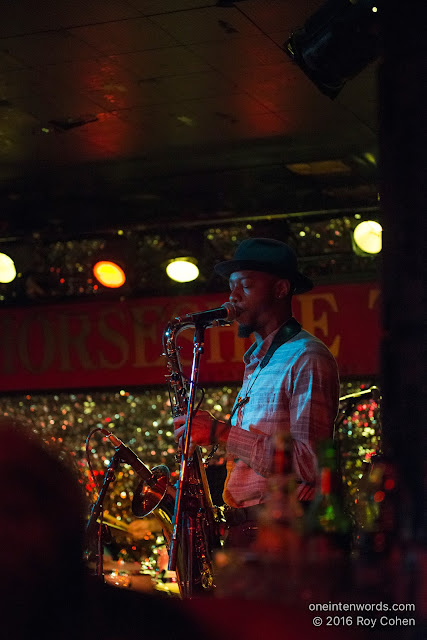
(301, 283)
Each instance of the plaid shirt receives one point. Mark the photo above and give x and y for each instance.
(296, 392)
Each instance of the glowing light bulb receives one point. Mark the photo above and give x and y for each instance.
(368, 236)
(7, 269)
(182, 269)
(109, 274)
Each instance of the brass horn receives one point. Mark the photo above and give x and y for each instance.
(148, 495)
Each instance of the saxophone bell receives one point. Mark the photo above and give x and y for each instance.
(148, 495)
(153, 486)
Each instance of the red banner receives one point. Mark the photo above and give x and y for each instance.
(118, 344)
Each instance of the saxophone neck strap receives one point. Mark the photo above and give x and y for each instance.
(289, 330)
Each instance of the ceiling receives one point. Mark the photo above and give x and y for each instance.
(160, 112)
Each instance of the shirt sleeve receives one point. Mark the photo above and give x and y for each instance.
(253, 449)
(313, 410)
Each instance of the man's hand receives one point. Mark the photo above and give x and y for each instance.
(200, 429)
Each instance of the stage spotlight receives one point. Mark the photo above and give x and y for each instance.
(336, 43)
(109, 274)
(182, 269)
(7, 269)
(367, 237)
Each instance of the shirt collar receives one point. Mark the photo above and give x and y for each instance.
(263, 351)
(257, 351)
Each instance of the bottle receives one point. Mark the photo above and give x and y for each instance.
(277, 551)
(326, 516)
(380, 562)
(270, 570)
(280, 520)
(328, 532)
(376, 513)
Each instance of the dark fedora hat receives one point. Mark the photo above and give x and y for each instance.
(269, 256)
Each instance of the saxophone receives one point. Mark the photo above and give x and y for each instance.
(200, 526)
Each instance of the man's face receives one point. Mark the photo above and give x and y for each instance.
(253, 294)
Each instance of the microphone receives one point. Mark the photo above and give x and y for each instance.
(131, 458)
(226, 312)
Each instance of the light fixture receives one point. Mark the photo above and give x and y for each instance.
(367, 237)
(109, 274)
(336, 43)
(182, 269)
(7, 269)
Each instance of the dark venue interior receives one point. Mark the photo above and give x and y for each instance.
(142, 131)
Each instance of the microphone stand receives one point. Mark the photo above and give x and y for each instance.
(95, 527)
(198, 349)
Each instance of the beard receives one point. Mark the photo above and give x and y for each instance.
(245, 330)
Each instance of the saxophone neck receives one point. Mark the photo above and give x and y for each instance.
(171, 333)
(177, 381)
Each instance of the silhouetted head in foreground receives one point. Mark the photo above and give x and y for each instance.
(41, 533)
(45, 590)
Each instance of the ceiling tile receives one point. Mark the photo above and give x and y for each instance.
(108, 138)
(152, 116)
(19, 82)
(123, 96)
(359, 96)
(271, 15)
(204, 25)
(195, 85)
(122, 36)
(154, 7)
(230, 107)
(161, 62)
(201, 122)
(45, 105)
(8, 62)
(92, 11)
(329, 124)
(278, 86)
(31, 16)
(102, 81)
(48, 48)
(230, 56)
(217, 126)
(16, 128)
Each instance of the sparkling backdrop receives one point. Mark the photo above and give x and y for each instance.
(63, 268)
(143, 421)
